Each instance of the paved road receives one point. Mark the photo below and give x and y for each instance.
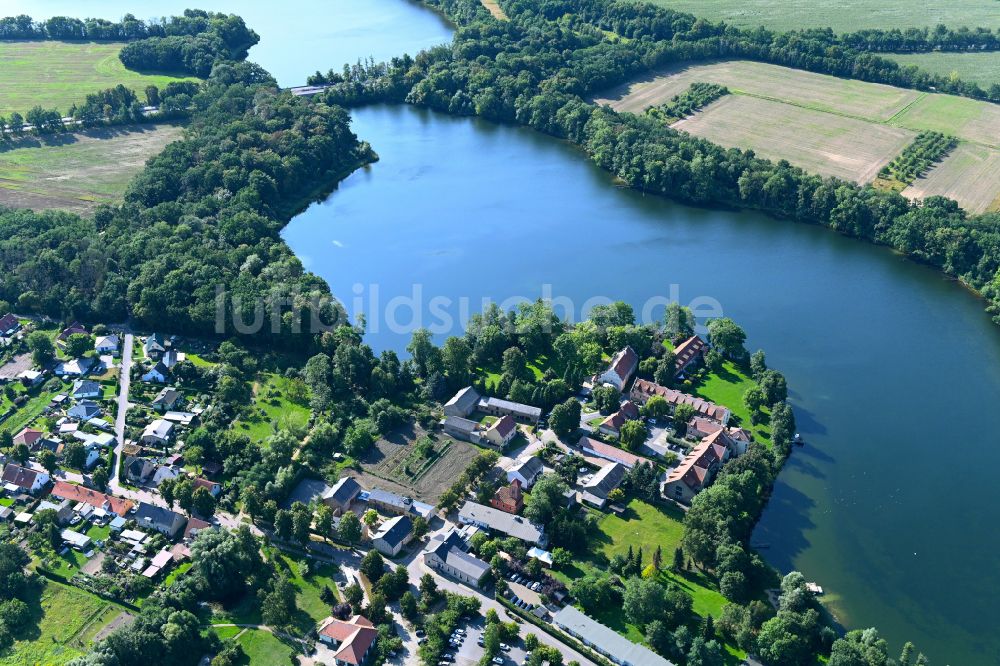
(124, 383)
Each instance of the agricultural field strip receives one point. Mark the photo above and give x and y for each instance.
(970, 174)
(637, 96)
(829, 145)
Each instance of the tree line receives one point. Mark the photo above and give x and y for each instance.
(112, 106)
(698, 95)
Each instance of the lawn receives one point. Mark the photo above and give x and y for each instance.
(643, 526)
(981, 68)
(272, 409)
(31, 410)
(726, 388)
(78, 171)
(843, 16)
(308, 589)
(65, 615)
(57, 75)
(178, 571)
(263, 647)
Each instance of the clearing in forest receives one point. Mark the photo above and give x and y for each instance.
(77, 171)
(56, 75)
(818, 142)
(970, 175)
(495, 9)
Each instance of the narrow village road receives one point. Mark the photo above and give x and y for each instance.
(123, 387)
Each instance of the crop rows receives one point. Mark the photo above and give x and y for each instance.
(927, 149)
(696, 97)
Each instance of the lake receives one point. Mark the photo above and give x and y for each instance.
(891, 365)
(885, 507)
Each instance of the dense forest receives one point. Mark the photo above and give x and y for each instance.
(540, 68)
(191, 43)
(205, 214)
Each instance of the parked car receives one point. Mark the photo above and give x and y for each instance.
(498, 660)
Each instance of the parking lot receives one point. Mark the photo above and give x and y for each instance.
(470, 653)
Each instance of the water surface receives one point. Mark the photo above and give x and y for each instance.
(895, 370)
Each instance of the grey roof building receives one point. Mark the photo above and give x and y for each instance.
(451, 561)
(157, 518)
(596, 490)
(84, 410)
(487, 517)
(608, 642)
(520, 412)
(461, 428)
(462, 403)
(526, 471)
(342, 493)
(393, 535)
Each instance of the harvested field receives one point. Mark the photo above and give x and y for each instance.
(76, 172)
(393, 464)
(959, 116)
(816, 91)
(818, 142)
(970, 175)
(842, 16)
(56, 75)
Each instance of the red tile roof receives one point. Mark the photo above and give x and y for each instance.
(627, 411)
(7, 322)
(75, 327)
(703, 426)
(602, 450)
(699, 462)
(687, 351)
(70, 491)
(193, 525)
(624, 363)
(19, 476)
(354, 637)
(643, 390)
(509, 498)
(206, 484)
(28, 436)
(504, 425)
